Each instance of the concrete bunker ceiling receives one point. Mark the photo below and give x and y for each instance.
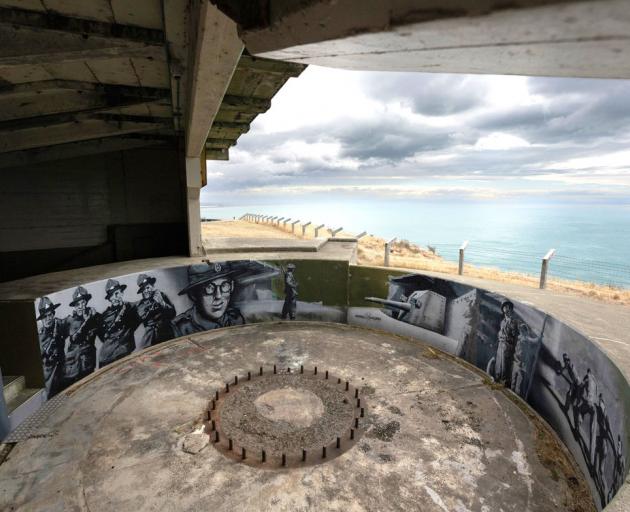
(80, 78)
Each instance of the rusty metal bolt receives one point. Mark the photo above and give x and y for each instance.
(216, 436)
(301, 368)
(347, 385)
(326, 374)
(230, 445)
(264, 456)
(356, 422)
(338, 443)
(358, 402)
(324, 452)
(214, 405)
(227, 387)
(249, 375)
(235, 380)
(274, 369)
(213, 425)
(261, 370)
(284, 459)
(288, 370)
(362, 412)
(243, 454)
(351, 433)
(356, 393)
(315, 373)
(216, 396)
(303, 455)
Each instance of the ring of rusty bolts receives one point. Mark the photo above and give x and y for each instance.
(341, 426)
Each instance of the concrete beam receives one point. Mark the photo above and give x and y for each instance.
(72, 130)
(82, 148)
(245, 104)
(25, 101)
(30, 37)
(217, 49)
(529, 37)
(261, 65)
(212, 143)
(217, 154)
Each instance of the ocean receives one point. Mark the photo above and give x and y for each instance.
(592, 241)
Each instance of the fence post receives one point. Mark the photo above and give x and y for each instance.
(544, 267)
(279, 220)
(304, 226)
(284, 223)
(387, 248)
(361, 235)
(293, 226)
(333, 232)
(460, 268)
(317, 230)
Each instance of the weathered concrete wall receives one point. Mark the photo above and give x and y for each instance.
(68, 213)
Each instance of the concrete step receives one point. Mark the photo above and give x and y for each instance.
(28, 401)
(22, 396)
(12, 385)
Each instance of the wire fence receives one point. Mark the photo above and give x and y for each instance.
(527, 262)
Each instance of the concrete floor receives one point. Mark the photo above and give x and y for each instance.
(439, 437)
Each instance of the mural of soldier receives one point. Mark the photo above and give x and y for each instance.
(619, 469)
(210, 288)
(574, 384)
(603, 437)
(82, 325)
(290, 293)
(155, 311)
(52, 335)
(522, 362)
(508, 337)
(117, 325)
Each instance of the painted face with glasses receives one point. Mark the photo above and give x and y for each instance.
(214, 297)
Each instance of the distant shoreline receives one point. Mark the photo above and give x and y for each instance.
(406, 255)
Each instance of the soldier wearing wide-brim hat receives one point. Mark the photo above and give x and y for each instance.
(45, 307)
(82, 327)
(117, 325)
(210, 287)
(155, 311)
(80, 294)
(112, 286)
(52, 335)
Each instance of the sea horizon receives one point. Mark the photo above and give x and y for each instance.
(592, 240)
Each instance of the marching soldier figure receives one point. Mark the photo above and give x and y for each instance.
(210, 287)
(117, 326)
(82, 326)
(155, 311)
(52, 335)
(290, 293)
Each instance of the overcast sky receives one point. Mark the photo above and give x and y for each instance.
(433, 135)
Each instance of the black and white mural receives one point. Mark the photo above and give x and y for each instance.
(90, 326)
(560, 372)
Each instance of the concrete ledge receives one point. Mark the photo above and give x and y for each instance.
(248, 245)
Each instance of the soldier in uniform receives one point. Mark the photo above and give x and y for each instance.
(117, 326)
(521, 361)
(290, 293)
(155, 311)
(210, 288)
(82, 326)
(508, 336)
(52, 335)
(574, 385)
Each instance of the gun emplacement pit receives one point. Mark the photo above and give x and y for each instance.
(437, 435)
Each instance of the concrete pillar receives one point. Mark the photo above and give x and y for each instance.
(194, 169)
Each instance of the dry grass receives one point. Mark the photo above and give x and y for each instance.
(404, 254)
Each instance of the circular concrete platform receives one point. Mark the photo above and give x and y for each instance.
(438, 436)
